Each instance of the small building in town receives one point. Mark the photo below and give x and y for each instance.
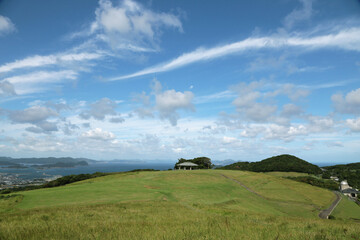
(350, 192)
(186, 166)
(334, 178)
(347, 190)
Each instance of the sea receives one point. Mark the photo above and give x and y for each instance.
(30, 173)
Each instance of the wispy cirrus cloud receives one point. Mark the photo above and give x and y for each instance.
(32, 74)
(215, 97)
(345, 39)
(44, 61)
(38, 81)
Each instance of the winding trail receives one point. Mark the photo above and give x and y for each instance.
(241, 184)
(324, 214)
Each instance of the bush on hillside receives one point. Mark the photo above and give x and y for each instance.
(328, 184)
(202, 162)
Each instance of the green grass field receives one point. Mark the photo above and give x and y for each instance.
(199, 204)
(347, 209)
(287, 174)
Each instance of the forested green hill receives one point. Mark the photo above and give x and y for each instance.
(281, 163)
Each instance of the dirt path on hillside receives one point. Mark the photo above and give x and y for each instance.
(324, 214)
(241, 184)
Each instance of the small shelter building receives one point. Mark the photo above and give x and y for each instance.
(186, 166)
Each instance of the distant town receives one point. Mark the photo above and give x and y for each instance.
(8, 180)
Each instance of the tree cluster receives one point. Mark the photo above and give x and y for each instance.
(281, 163)
(202, 162)
(329, 184)
(349, 172)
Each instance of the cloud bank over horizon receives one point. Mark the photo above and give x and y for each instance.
(135, 80)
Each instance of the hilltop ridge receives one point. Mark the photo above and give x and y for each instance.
(280, 163)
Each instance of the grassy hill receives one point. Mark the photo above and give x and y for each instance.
(203, 204)
(281, 163)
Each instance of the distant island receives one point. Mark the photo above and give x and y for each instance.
(48, 160)
(43, 163)
(62, 165)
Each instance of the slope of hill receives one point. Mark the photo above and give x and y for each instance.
(204, 204)
(281, 163)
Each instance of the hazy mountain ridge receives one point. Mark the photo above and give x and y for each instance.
(48, 160)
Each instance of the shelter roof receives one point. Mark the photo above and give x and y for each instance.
(187, 164)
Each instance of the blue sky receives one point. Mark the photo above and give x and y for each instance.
(241, 80)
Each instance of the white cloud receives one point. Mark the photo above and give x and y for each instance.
(129, 26)
(320, 124)
(6, 89)
(257, 101)
(42, 77)
(114, 19)
(266, 63)
(247, 104)
(38, 81)
(228, 140)
(299, 15)
(258, 112)
(252, 130)
(117, 120)
(42, 61)
(288, 132)
(146, 110)
(6, 26)
(353, 124)
(291, 91)
(33, 114)
(99, 134)
(335, 144)
(290, 110)
(167, 103)
(349, 104)
(100, 109)
(36, 116)
(345, 39)
(259, 116)
(216, 97)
